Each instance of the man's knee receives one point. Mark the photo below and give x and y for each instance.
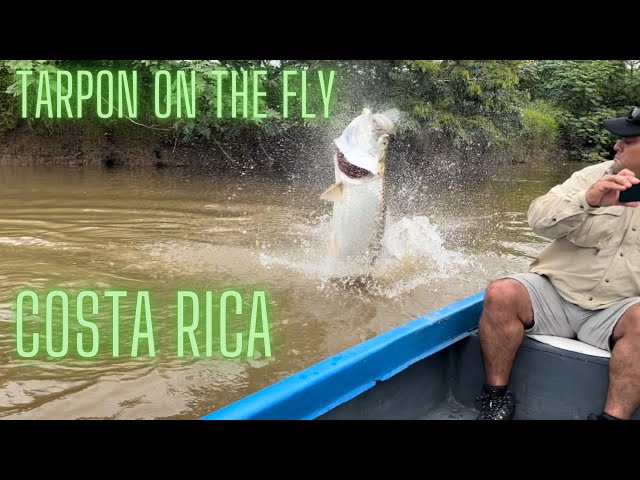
(507, 300)
(505, 293)
(629, 324)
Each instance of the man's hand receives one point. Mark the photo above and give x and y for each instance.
(606, 191)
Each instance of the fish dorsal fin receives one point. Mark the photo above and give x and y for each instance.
(382, 164)
(333, 193)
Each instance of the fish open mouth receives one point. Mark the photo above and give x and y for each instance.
(349, 169)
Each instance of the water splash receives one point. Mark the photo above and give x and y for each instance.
(395, 115)
(413, 254)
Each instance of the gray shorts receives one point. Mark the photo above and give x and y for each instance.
(553, 315)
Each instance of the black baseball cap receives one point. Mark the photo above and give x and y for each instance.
(628, 126)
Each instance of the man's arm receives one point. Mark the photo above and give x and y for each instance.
(567, 206)
(560, 211)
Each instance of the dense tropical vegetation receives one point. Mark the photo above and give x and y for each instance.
(488, 109)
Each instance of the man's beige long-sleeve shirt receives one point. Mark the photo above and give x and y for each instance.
(594, 258)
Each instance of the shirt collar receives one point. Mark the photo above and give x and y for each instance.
(609, 170)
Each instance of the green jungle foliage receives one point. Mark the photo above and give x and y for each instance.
(486, 107)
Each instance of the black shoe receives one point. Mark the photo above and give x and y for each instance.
(496, 406)
(602, 416)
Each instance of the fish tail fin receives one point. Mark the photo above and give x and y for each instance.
(333, 193)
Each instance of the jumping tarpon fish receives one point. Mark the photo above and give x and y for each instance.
(359, 207)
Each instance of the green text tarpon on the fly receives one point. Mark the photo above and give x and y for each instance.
(63, 94)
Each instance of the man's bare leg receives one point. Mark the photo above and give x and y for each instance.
(507, 311)
(623, 396)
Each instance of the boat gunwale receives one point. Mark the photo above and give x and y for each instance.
(321, 387)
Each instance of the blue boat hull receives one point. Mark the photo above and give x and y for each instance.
(430, 368)
(316, 390)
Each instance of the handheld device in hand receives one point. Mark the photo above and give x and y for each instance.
(631, 194)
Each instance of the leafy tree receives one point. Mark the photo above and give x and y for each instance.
(468, 107)
(476, 104)
(585, 92)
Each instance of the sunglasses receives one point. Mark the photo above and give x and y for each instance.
(634, 116)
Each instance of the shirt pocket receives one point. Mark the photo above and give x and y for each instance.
(601, 228)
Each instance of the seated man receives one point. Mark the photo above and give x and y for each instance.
(584, 284)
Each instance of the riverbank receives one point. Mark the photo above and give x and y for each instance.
(144, 147)
(289, 151)
(96, 148)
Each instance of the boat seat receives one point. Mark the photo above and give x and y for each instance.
(573, 345)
